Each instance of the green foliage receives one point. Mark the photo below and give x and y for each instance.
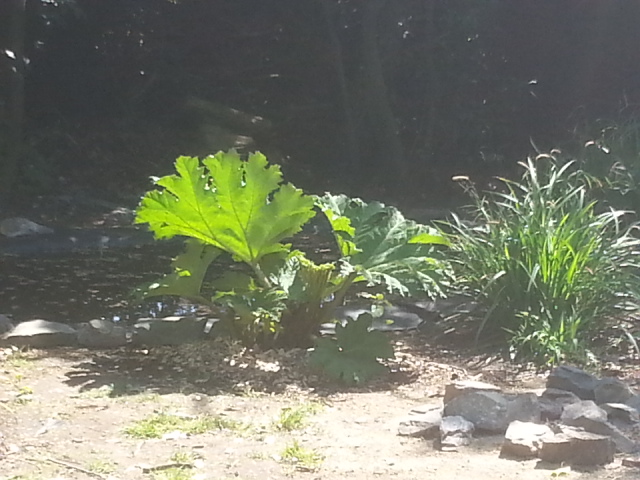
(241, 208)
(381, 247)
(295, 418)
(157, 425)
(189, 269)
(302, 458)
(352, 357)
(550, 270)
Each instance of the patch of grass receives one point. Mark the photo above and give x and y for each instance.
(258, 455)
(184, 456)
(101, 466)
(15, 357)
(300, 457)
(24, 393)
(295, 418)
(160, 424)
(173, 473)
(550, 270)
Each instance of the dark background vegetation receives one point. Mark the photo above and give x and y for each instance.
(384, 99)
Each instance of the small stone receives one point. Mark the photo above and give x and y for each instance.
(487, 410)
(455, 432)
(421, 425)
(41, 334)
(631, 462)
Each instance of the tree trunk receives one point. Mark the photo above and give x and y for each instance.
(380, 115)
(16, 98)
(331, 12)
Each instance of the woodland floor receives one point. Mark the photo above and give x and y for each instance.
(64, 412)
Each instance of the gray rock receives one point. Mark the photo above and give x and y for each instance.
(6, 325)
(634, 402)
(41, 334)
(456, 389)
(574, 380)
(552, 401)
(102, 334)
(584, 409)
(486, 410)
(590, 417)
(455, 431)
(550, 410)
(612, 390)
(173, 330)
(633, 462)
(524, 407)
(563, 396)
(524, 439)
(19, 226)
(621, 415)
(577, 447)
(424, 424)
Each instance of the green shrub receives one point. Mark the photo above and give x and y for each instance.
(227, 205)
(548, 268)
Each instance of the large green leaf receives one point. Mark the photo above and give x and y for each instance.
(235, 205)
(189, 269)
(352, 356)
(383, 247)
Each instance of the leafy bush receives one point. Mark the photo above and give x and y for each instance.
(352, 357)
(549, 269)
(282, 297)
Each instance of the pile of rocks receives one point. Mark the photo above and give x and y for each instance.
(98, 333)
(578, 419)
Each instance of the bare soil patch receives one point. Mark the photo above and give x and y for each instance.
(64, 415)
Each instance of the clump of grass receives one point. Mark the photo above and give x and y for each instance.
(184, 457)
(549, 269)
(294, 418)
(16, 357)
(300, 457)
(160, 424)
(101, 466)
(173, 473)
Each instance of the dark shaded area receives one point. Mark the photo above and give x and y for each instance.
(114, 91)
(381, 99)
(78, 286)
(73, 279)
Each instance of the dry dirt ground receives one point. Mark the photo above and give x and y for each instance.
(64, 414)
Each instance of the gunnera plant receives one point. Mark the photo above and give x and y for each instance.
(548, 268)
